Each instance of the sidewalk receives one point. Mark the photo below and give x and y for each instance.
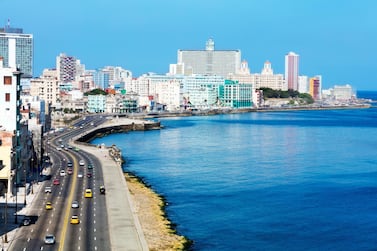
(9, 230)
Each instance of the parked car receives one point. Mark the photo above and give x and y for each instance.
(26, 221)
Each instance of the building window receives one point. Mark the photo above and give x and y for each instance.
(7, 97)
(7, 80)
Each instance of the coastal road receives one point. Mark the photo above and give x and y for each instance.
(92, 231)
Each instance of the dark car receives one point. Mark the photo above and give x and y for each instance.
(89, 175)
(26, 221)
(102, 189)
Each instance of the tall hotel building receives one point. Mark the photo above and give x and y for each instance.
(291, 70)
(66, 67)
(209, 61)
(16, 49)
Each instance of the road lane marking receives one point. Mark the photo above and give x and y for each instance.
(68, 208)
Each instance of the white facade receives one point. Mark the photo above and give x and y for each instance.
(303, 84)
(343, 92)
(163, 89)
(168, 93)
(46, 88)
(9, 103)
(209, 61)
(17, 49)
(96, 103)
(266, 79)
(201, 91)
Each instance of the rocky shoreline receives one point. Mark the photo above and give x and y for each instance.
(158, 230)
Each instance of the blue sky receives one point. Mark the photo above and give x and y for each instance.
(336, 39)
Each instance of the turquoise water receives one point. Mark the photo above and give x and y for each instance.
(300, 180)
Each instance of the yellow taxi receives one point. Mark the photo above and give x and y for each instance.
(88, 193)
(75, 219)
(48, 206)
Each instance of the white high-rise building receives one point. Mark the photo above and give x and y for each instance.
(303, 84)
(209, 61)
(67, 68)
(16, 48)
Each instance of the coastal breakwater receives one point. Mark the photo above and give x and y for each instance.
(118, 125)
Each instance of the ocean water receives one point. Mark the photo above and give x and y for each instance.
(298, 180)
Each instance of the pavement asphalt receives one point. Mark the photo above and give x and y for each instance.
(9, 230)
(125, 230)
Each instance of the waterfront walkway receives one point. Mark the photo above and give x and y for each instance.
(125, 230)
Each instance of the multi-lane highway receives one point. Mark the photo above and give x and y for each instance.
(91, 233)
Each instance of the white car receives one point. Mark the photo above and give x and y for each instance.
(75, 204)
(48, 190)
(82, 163)
(49, 239)
(80, 175)
(62, 173)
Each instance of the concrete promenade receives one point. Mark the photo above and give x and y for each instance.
(9, 231)
(125, 230)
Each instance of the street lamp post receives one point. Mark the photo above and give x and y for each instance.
(15, 214)
(25, 185)
(6, 218)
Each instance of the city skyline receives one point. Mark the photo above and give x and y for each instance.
(334, 40)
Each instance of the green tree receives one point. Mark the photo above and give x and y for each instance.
(95, 92)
